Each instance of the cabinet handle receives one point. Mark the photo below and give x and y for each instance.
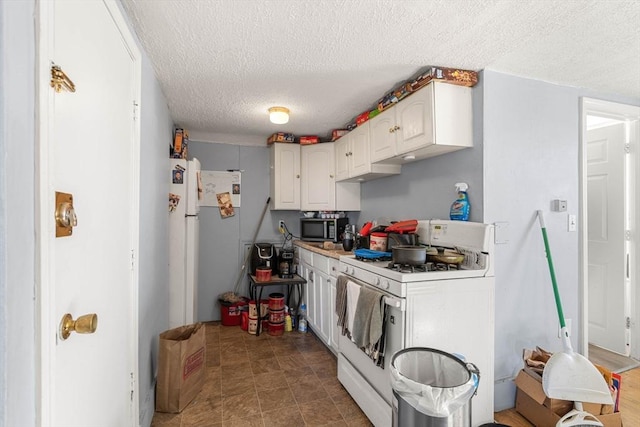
(297, 176)
(350, 153)
(330, 176)
(391, 130)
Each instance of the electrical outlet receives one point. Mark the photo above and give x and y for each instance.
(281, 226)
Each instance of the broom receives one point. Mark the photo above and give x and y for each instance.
(569, 375)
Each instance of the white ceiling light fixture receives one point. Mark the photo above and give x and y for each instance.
(279, 115)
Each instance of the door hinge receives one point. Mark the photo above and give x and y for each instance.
(135, 110)
(627, 235)
(627, 148)
(59, 80)
(133, 259)
(131, 383)
(628, 323)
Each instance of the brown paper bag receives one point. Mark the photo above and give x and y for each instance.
(181, 367)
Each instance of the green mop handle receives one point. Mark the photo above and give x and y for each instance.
(551, 270)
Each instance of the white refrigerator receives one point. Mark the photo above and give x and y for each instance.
(184, 207)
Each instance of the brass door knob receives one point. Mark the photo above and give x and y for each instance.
(86, 324)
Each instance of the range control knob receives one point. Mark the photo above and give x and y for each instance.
(384, 285)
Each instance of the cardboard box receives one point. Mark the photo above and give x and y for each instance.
(447, 75)
(180, 144)
(281, 137)
(308, 140)
(541, 411)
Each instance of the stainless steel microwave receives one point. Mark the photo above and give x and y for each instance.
(322, 229)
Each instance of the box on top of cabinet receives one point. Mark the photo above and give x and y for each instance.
(448, 75)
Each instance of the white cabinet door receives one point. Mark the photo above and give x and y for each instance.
(322, 297)
(334, 330)
(342, 157)
(435, 120)
(311, 297)
(359, 156)
(414, 121)
(285, 176)
(318, 182)
(382, 135)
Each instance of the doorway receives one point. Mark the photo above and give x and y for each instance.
(609, 163)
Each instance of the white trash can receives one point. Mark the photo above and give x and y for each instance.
(432, 388)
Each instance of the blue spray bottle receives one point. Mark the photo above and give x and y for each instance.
(460, 207)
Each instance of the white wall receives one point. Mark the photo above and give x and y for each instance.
(156, 130)
(531, 143)
(17, 245)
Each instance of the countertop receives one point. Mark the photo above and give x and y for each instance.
(331, 250)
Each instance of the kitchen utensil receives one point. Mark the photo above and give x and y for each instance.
(236, 288)
(366, 229)
(409, 255)
(446, 256)
(399, 239)
(569, 375)
(408, 226)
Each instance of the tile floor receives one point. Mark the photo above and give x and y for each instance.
(288, 380)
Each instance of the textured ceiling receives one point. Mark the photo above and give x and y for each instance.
(223, 63)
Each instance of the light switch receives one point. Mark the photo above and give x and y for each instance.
(571, 223)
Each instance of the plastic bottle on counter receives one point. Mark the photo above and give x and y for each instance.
(302, 318)
(460, 207)
(287, 323)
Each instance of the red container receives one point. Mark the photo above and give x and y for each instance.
(276, 316)
(263, 274)
(276, 302)
(244, 320)
(230, 313)
(276, 329)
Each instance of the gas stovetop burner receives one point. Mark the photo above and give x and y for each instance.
(421, 268)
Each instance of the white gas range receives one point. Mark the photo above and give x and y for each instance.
(449, 310)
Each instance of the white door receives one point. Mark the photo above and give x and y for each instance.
(606, 207)
(89, 148)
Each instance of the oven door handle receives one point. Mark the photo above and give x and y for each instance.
(395, 302)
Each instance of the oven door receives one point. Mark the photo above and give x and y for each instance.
(368, 384)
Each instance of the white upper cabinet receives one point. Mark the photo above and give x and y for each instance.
(353, 157)
(284, 167)
(435, 120)
(318, 182)
(319, 190)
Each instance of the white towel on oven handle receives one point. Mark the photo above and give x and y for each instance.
(368, 323)
(353, 293)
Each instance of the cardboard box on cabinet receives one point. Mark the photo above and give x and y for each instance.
(542, 411)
